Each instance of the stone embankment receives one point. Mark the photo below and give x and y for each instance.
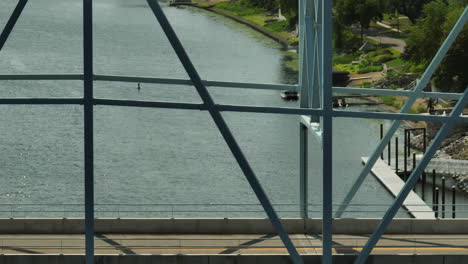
(454, 147)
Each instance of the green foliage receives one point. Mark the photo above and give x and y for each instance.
(410, 8)
(277, 26)
(358, 11)
(421, 109)
(347, 67)
(424, 39)
(238, 9)
(427, 36)
(345, 58)
(291, 61)
(344, 40)
(367, 69)
(380, 56)
(288, 7)
(388, 99)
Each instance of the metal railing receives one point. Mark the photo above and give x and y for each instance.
(208, 210)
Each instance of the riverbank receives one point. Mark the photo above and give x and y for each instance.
(259, 19)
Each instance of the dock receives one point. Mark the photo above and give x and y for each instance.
(393, 183)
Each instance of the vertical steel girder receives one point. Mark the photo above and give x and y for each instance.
(309, 80)
(327, 129)
(224, 129)
(304, 103)
(88, 128)
(416, 93)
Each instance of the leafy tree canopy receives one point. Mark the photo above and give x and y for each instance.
(427, 36)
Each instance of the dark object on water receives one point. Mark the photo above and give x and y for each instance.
(139, 87)
(290, 95)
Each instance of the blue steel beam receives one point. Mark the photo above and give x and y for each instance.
(41, 101)
(316, 99)
(261, 86)
(369, 91)
(228, 108)
(413, 179)
(304, 103)
(327, 129)
(88, 128)
(41, 77)
(11, 22)
(224, 129)
(426, 77)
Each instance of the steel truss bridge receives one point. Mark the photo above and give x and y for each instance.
(315, 86)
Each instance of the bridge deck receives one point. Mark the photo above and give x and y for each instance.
(131, 244)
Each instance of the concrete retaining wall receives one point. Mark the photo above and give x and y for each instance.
(186, 259)
(229, 226)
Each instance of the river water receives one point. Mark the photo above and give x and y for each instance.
(154, 156)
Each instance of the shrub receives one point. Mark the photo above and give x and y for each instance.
(388, 100)
(239, 9)
(367, 69)
(344, 59)
(383, 58)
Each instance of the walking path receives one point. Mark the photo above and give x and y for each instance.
(382, 36)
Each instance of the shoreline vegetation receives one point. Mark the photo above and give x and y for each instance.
(277, 30)
(257, 18)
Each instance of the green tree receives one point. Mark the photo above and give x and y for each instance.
(427, 36)
(348, 12)
(413, 9)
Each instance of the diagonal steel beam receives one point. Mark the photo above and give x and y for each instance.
(11, 22)
(426, 77)
(304, 103)
(224, 129)
(408, 187)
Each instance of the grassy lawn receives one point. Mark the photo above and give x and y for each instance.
(403, 23)
(238, 9)
(291, 61)
(259, 16)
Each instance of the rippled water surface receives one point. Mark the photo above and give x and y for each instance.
(157, 156)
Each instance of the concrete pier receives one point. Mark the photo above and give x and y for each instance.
(393, 183)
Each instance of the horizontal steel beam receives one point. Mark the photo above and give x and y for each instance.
(41, 77)
(229, 108)
(41, 101)
(268, 110)
(149, 104)
(369, 91)
(261, 86)
(396, 116)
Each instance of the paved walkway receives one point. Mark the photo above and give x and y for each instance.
(383, 37)
(229, 244)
